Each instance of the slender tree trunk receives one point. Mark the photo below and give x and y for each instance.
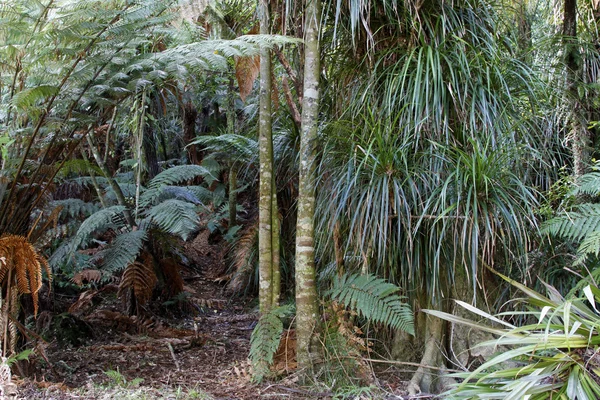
(275, 241)
(306, 291)
(578, 130)
(94, 182)
(265, 205)
(111, 181)
(233, 171)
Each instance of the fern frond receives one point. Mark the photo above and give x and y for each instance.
(245, 257)
(240, 147)
(575, 225)
(140, 277)
(87, 275)
(375, 299)
(176, 217)
(29, 97)
(177, 174)
(74, 208)
(204, 195)
(153, 196)
(265, 339)
(122, 250)
(25, 265)
(77, 167)
(111, 217)
(588, 184)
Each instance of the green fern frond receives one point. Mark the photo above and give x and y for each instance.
(265, 339)
(575, 225)
(240, 147)
(178, 174)
(29, 97)
(122, 251)
(203, 194)
(102, 220)
(74, 208)
(154, 196)
(176, 217)
(77, 167)
(375, 299)
(588, 184)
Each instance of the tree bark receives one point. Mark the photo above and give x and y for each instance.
(306, 291)
(266, 230)
(578, 134)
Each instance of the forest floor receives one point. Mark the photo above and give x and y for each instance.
(101, 353)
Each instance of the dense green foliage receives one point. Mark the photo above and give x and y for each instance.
(450, 137)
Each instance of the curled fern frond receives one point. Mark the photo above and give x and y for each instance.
(265, 340)
(375, 299)
(176, 217)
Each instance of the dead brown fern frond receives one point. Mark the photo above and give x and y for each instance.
(243, 260)
(51, 220)
(141, 278)
(173, 281)
(22, 265)
(87, 276)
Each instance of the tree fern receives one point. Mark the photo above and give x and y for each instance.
(265, 340)
(111, 217)
(122, 251)
(375, 299)
(176, 217)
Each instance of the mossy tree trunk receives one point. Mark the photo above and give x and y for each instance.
(578, 135)
(267, 205)
(306, 291)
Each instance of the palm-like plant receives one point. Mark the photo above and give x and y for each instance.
(552, 356)
(425, 171)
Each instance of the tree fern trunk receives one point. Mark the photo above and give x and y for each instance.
(306, 292)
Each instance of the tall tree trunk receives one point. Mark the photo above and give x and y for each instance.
(306, 291)
(578, 130)
(266, 231)
(189, 130)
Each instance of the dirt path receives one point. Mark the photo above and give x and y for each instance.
(200, 353)
(204, 351)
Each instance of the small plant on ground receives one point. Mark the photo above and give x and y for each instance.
(117, 379)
